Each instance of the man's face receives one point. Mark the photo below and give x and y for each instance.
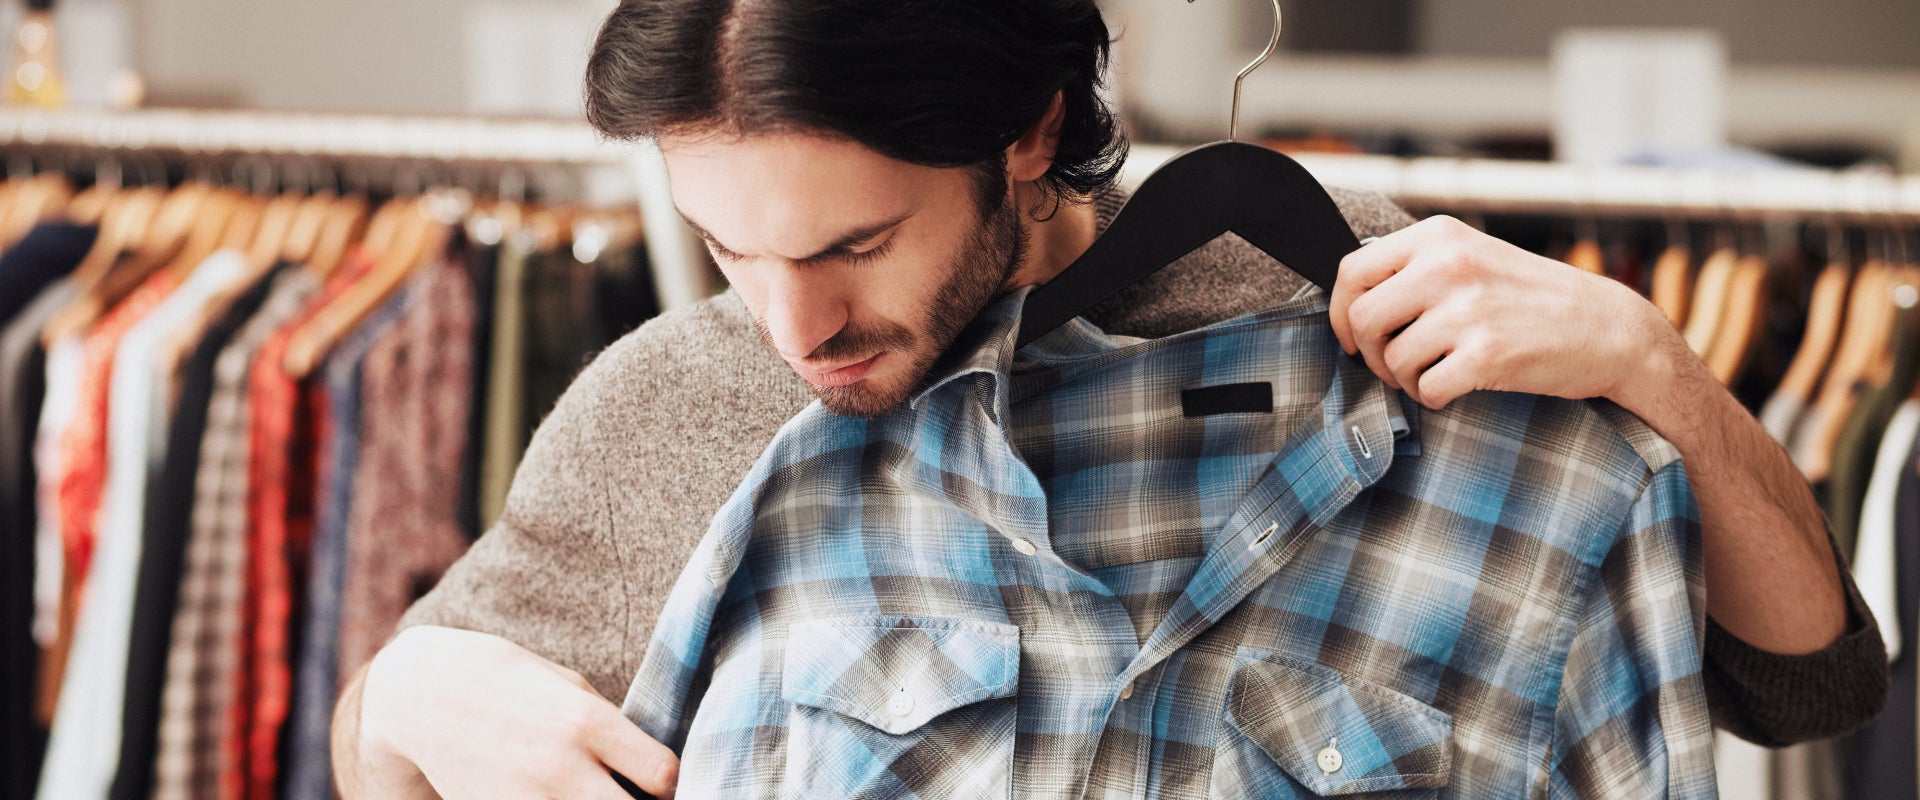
(859, 269)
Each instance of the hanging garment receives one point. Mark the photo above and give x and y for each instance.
(52, 602)
(22, 390)
(169, 518)
(84, 749)
(482, 259)
(1875, 570)
(201, 657)
(1190, 567)
(506, 431)
(405, 530)
(282, 440)
(83, 446)
(1881, 760)
(309, 764)
(48, 252)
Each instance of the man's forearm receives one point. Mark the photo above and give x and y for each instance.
(351, 772)
(1771, 577)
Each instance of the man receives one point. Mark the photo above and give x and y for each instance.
(833, 158)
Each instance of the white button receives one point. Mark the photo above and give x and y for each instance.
(901, 704)
(1328, 759)
(1127, 691)
(1025, 547)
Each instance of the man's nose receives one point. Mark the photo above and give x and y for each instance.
(802, 315)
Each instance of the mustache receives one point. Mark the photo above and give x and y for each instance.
(851, 341)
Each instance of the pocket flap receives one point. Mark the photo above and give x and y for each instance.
(1335, 734)
(897, 673)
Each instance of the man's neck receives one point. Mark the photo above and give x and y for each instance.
(1055, 243)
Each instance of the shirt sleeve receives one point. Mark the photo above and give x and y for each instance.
(1775, 700)
(1631, 718)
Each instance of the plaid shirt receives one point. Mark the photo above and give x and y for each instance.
(1043, 578)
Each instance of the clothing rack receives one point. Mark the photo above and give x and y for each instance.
(1861, 195)
(681, 262)
(679, 259)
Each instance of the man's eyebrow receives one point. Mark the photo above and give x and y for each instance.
(840, 246)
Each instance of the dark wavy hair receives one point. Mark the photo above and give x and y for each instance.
(942, 83)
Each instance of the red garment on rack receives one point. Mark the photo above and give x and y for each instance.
(280, 484)
(83, 447)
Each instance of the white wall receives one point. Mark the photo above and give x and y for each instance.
(412, 56)
(1876, 34)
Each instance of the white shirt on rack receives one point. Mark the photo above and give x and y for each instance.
(1875, 571)
(84, 747)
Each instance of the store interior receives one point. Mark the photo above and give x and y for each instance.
(1751, 166)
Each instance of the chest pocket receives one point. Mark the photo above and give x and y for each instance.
(1299, 729)
(889, 706)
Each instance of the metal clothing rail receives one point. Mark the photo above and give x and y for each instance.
(679, 259)
(1551, 187)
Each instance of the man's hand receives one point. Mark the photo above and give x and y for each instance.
(1503, 319)
(1497, 317)
(470, 715)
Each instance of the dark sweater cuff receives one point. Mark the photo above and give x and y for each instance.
(1775, 700)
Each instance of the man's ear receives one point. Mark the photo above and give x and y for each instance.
(1032, 155)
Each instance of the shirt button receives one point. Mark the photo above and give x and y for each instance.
(1025, 547)
(1328, 759)
(1127, 691)
(901, 704)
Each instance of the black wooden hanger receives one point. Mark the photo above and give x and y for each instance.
(1255, 192)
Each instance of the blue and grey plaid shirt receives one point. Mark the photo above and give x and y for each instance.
(1048, 576)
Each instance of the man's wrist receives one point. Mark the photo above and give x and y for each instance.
(378, 760)
(1666, 385)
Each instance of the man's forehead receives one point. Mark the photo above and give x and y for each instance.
(788, 191)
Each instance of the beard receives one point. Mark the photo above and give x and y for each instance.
(978, 273)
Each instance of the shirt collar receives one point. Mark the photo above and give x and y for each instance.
(1365, 425)
(985, 347)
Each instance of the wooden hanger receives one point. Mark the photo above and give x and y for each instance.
(1710, 298)
(213, 217)
(38, 198)
(1672, 275)
(89, 205)
(124, 217)
(1870, 317)
(345, 222)
(418, 235)
(303, 228)
(1586, 253)
(1740, 323)
(1825, 313)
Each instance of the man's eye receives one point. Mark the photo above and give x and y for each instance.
(871, 255)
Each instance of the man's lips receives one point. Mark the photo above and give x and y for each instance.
(841, 376)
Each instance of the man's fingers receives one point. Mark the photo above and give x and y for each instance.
(1410, 354)
(1366, 268)
(1380, 313)
(627, 750)
(1446, 381)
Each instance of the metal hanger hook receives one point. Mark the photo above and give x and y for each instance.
(1273, 43)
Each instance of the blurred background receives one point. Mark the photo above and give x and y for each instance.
(365, 244)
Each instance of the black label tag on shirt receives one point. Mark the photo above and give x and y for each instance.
(1232, 398)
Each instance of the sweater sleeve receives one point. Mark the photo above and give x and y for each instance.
(1776, 700)
(557, 522)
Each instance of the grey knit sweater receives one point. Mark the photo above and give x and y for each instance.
(622, 478)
